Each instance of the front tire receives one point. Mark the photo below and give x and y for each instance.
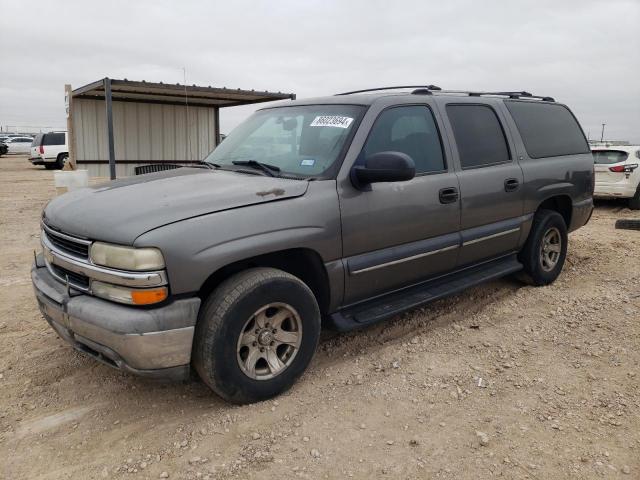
(256, 334)
(545, 251)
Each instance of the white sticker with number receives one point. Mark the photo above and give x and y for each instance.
(331, 121)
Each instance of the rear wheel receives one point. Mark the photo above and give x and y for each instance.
(545, 251)
(634, 202)
(256, 334)
(61, 160)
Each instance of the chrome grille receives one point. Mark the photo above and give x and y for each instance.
(67, 244)
(75, 279)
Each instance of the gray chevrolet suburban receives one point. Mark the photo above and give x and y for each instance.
(335, 212)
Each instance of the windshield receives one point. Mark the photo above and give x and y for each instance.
(303, 141)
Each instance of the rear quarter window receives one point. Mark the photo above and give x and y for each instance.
(37, 140)
(53, 139)
(547, 129)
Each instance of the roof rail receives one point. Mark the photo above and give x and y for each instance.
(423, 87)
(430, 89)
(503, 94)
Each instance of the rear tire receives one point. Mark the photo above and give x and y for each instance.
(51, 166)
(634, 202)
(545, 251)
(256, 334)
(61, 160)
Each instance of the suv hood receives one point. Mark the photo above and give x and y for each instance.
(122, 210)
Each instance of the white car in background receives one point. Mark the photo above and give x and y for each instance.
(19, 144)
(617, 173)
(49, 149)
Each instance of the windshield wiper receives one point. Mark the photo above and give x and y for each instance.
(265, 167)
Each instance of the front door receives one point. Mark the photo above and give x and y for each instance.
(491, 189)
(399, 233)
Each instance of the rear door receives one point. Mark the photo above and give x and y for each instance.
(35, 146)
(491, 192)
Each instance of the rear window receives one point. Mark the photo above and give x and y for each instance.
(547, 129)
(53, 139)
(608, 157)
(37, 140)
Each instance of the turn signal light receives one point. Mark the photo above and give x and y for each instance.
(147, 297)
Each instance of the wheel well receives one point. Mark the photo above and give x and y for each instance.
(304, 263)
(561, 204)
(61, 154)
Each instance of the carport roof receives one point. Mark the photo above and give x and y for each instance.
(174, 94)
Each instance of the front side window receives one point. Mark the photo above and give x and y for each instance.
(478, 134)
(609, 157)
(410, 130)
(303, 141)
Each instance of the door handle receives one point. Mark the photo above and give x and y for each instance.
(448, 195)
(511, 184)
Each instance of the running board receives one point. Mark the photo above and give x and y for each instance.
(381, 308)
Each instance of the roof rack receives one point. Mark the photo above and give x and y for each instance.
(428, 88)
(504, 94)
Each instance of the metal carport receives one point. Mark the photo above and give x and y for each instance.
(120, 124)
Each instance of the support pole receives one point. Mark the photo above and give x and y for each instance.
(71, 141)
(108, 104)
(216, 126)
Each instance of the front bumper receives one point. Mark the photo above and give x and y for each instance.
(149, 342)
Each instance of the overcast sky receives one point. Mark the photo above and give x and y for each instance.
(584, 53)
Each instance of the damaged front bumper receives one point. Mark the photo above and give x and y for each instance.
(153, 342)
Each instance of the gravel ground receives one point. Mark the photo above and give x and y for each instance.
(503, 380)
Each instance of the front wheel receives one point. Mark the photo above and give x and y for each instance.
(545, 251)
(256, 334)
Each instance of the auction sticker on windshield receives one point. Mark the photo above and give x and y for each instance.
(331, 121)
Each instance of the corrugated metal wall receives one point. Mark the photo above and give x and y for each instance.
(142, 132)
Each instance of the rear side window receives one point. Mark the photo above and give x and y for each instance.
(53, 139)
(547, 129)
(410, 130)
(608, 157)
(37, 141)
(478, 134)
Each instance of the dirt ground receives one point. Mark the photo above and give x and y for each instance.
(503, 380)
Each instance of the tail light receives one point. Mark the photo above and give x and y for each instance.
(623, 168)
(41, 149)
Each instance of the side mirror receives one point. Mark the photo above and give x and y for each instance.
(383, 167)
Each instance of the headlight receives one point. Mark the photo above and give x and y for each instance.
(132, 296)
(126, 258)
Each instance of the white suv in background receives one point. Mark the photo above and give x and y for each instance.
(50, 149)
(617, 173)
